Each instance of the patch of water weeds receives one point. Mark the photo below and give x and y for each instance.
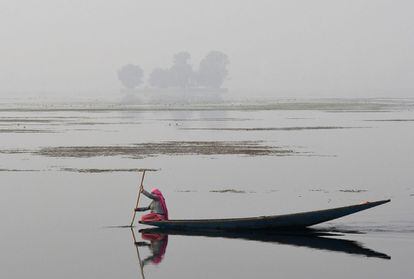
(142, 150)
(35, 131)
(13, 151)
(331, 105)
(319, 190)
(233, 191)
(218, 119)
(390, 120)
(104, 170)
(25, 120)
(17, 170)
(272, 128)
(353, 190)
(90, 123)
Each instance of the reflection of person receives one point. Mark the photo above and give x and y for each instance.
(158, 206)
(157, 245)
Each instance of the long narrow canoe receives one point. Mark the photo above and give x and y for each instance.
(296, 220)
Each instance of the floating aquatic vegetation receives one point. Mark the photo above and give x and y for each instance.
(353, 190)
(92, 123)
(17, 170)
(331, 105)
(319, 190)
(25, 131)
(24, 120)
(218, 119)
(233, 191)
(105, 170)
(390, 120)
(142, 150)
(13, 151)
(272, 128)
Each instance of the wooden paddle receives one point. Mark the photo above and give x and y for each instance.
(141, 186)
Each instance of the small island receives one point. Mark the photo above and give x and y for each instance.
(180, 83)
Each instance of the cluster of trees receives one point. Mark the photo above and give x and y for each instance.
(211, 73)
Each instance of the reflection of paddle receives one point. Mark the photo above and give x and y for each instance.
(139, 195)
(139, 257)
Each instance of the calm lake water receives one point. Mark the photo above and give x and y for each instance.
(66, 183)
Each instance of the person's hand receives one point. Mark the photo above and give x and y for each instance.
(141, 243)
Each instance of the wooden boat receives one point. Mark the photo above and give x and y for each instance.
(296, 220)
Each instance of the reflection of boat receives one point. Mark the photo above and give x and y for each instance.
(314, 239)
(296, 220)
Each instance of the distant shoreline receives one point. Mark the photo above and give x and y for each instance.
(322, 104)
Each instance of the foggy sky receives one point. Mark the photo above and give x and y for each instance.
(320, 48)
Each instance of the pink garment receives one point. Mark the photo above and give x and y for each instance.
(153, 217)
(158, 193)
(162, 240)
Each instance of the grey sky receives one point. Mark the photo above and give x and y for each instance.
(358, 48)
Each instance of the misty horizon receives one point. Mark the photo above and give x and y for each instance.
(278, 49)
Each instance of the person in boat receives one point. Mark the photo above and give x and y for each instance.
(158, 206)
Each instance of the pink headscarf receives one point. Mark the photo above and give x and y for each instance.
(158, 193)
